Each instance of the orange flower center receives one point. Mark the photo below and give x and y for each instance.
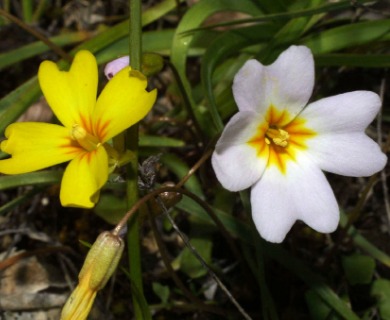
(86, 140)
(280, 137)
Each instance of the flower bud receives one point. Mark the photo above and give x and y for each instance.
(99, 265)
(152, 64)
(113, 67)
(102, 260)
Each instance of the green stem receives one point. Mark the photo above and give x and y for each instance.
(141, 311)
(7, 5)
(27, 11)
(135, 31)
(39, 10)
(6, 8)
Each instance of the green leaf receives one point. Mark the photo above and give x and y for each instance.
(159, 141)
(152, 41)
(10, 57)
(270, 6)
(192, 19)
(119, 31)
(226, 44)
(290, 33)
(236, 227)
(17, 101)
(381, 291)
(314, 281)
(111, 208)
(363, 243)
(188, 263)
(319, 310)
(348, 36)
(276, 252)
(161, 291)
(358, 268)
(180, 169)
(32, 178)
(296, 11)
(10, 205)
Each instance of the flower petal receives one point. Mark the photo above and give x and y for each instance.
(236, 163)
(349, 154)
(291, 79)
(347, 112)
(123, 102)
(285, 84)
(303, 193)
(79, 303)
(250, 87)
(34, 146)
(341, 145)
(83, 179)
(71, 94)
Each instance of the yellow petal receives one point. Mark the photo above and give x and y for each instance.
(71, 94)
(123, 102)
(80, 302)
(34, 146)
(83, 178)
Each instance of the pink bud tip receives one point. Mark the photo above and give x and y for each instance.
(113, 67)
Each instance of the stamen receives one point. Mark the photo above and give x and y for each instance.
(86, 140)
(278, 136)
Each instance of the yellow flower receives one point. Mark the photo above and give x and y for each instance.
(99, 265)
(87, 125)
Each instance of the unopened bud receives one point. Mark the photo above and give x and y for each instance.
(102, 260)
(152, 64)
(100, 263)
(113, 67)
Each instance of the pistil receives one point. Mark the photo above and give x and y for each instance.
(86, 140)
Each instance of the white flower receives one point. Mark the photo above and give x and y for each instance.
(278, 145)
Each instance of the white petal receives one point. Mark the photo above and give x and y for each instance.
(348, 112)
(249, 87)
(292, 79)
(287, 83)
(303, 193)
(314, 198)
(272, 212)
(349, 154)
(236, 163)
(240, 128)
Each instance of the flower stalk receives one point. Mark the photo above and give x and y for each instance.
(131, 139)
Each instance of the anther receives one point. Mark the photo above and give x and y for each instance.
(277, 136)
